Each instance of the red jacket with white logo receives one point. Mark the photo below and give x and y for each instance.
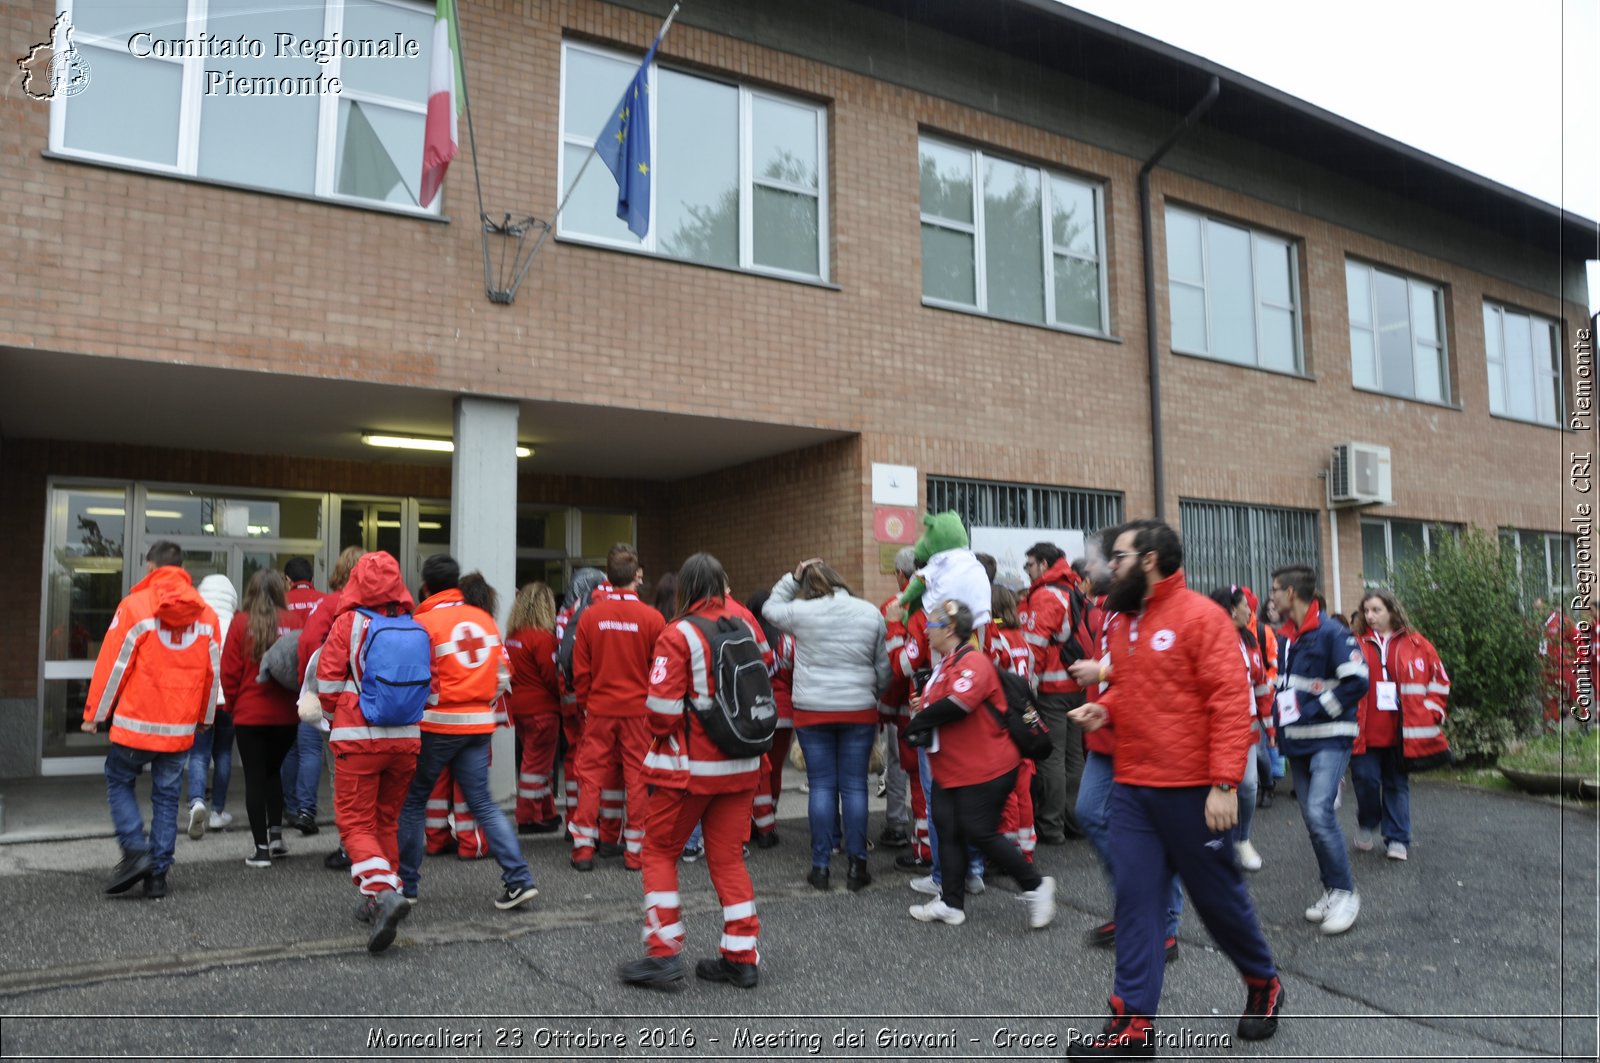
(611, 658)
(470, 670)
(1179, 694)
(1009, 650)
(682, 756)
(975, 748)
(319, 621)
(1045, 612)
(254, 701)
(374, 584)
(896, 701)
(1422, 687)
(159, 666)
(535, 686)
(302, 598)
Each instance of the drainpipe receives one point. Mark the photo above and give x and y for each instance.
(1157, 446)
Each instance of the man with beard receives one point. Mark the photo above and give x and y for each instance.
(1181, 707)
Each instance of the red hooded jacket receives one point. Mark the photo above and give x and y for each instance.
(375, 584)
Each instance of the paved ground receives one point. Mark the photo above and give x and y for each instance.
(1482, 946)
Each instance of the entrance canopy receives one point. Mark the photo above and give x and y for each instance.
(47, 395)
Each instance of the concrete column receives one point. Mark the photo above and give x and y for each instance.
(483, 527)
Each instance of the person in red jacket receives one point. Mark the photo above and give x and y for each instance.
(155, 682)
(1560, 649)
(374, 764)
(611, 669)
(1049, 625)
(764, 809)
(264, 718)
(302, 765)
(535, 706)
(1401, 717)
(318, 623)
(301, 595)
(1010, 653)
(1180, 702)
(695, 782)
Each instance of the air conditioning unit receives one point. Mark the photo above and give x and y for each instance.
(1360, 475)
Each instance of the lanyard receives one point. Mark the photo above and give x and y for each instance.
(1383, 654)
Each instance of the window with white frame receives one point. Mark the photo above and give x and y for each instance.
(285, 112)
(1546, 562)
(1397, 343)
(1011, 240)
(1233, 292)
(740, 173)
(1387, 544)
(1524, 355)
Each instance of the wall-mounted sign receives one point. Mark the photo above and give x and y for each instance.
(892, 524)
(894, 485)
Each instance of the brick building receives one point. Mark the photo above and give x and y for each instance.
(885, 234)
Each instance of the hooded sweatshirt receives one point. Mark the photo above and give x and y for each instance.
(218, 592)
(374, 584)
(159, 664)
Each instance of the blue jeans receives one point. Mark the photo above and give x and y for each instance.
(1094, 816)
(1248, 787)
(467, 757)
(213, 745)
(837, 755)
(1383, 793)
(302, 772)
(123, 765)
(1316, 782)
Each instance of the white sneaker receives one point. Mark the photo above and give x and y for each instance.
(925, 884)
(197, 820)
(1364, 840)
(1397, 851)
(936, 911)
(1319, 911)
(975, 885)
(1249, 859)
(1338, 795)
(1343, 908)
(1041, 903)
(221, 820)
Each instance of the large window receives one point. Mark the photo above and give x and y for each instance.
(1011, 240)
(1234, 293)
(1226, 544)
(988, 504)
(1397, 335)
(1546, 563)
(1388, 544)
(740, 175)
(291, 114)
(1524, 356)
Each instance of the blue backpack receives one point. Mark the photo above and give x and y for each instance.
(396, 670)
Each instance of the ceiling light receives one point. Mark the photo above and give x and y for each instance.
(439, 446)
(104, 511)
(429, 525)
(162, 514)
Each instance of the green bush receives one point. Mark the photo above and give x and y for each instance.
(1570, 754)
(1464, 598)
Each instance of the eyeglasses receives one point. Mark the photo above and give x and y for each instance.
(936, 623)
(1120, 554)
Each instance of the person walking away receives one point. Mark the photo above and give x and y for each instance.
(264, 714)
(1056, 622)
(211, 757)
(302, 765)
(155, 682)
(535, 706)
(319, 622)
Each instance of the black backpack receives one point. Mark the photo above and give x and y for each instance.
(1079, 640)
(741, 715)
(1021, 719)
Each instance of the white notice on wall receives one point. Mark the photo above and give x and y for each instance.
(894, 485)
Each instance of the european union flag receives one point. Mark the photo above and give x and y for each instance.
(624, 146)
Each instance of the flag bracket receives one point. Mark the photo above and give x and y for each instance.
(503, 272)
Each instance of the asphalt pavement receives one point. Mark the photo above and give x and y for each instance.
(1482, 946)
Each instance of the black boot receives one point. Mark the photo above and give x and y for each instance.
(818, 877)
(858, 876)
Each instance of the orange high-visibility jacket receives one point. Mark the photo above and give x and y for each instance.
(470, 666)
(157, 674)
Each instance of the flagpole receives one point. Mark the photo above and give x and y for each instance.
(466, 105)
(594, 148)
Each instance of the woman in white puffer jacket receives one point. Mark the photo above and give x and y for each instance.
(213, 746)
(841, 669)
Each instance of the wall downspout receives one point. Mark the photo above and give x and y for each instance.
(1157, 445)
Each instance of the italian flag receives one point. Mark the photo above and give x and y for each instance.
(446, 95)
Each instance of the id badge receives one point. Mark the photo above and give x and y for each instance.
(1288, 708)
(1389, 697)
(933, 747)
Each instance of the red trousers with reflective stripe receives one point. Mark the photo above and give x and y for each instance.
(725, 824)
(537, 739)
(1016, 818)
(368, 790)
(610, 743)
(764, 808)
(448, 816)
(610, 806)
